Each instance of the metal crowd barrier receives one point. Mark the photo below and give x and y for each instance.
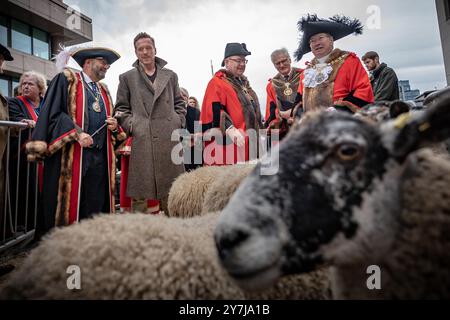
(15, 227)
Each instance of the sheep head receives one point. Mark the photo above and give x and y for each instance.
(336, 190)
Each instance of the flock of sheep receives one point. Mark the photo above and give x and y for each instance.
(231, 233)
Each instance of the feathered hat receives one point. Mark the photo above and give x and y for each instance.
(337, 26)
(81, 54)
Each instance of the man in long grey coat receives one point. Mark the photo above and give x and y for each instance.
(149, 108)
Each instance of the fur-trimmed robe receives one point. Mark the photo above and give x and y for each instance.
(279, 99)
(63, 117)
(348, 86)
(222, 107)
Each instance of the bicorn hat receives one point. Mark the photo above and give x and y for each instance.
(5, 53)
(337, 26)
(235, 49)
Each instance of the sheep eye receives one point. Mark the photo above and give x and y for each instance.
(348, 152)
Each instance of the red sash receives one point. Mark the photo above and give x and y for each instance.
(29, 107)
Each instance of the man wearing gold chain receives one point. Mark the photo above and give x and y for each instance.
(73, 136)
(283, 99)
(231, 105)
(334, 79)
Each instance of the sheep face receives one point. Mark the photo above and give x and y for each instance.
(335, 192)
(279, 224)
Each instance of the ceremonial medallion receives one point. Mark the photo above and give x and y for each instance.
(96, 106)
(320, 78)
(287, 91)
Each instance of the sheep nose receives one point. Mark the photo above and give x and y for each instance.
(228, 241)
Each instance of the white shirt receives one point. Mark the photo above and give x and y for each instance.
(322, 60)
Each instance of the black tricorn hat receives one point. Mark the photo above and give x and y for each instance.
(235, 49)
(82, 54)
(337, 26)
(5, 53)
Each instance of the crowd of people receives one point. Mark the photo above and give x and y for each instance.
(78, 133)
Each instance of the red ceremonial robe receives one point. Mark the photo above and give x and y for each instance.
(349, 84)
(62, 118)
(221, 108)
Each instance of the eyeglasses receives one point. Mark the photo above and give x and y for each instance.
(284, 61)
(239, 61)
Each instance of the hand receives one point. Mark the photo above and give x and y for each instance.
(112, 123)
(85, 140)
(197, 138)
(236, 136)
(285, 114)
(30, 123)
(331, 109)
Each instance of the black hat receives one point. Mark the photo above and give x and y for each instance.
(82, 54)
(337, 26)
(5, 53)
(235, 49)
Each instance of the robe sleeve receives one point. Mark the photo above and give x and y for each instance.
(359, 86)
(16, 111)
(179, 103)
(213, 108)
(271, 106)
(123, 108)
(54, 128)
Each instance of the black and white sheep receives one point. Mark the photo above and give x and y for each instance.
(349, 195)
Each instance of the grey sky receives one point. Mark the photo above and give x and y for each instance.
(190, 33)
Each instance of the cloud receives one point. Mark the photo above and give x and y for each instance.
(191, 33)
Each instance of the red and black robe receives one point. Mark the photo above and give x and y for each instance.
(282, 95)
(62, 118)
(229, 102)
(348, 87)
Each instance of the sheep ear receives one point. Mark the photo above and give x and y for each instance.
(417, 130)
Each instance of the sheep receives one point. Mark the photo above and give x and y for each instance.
(141, 257)
(383, 111)
(353, 197)
(223, 187)
(205, 189)
(188, 191)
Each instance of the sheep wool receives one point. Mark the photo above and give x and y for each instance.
(417, 265)
(188, 191)
(141, 257)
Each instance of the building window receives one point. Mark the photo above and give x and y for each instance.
(20, 36)
(7, 85)
(41, 46)
(15, 86)
(24, 37)
(4, 87)
(3, 31)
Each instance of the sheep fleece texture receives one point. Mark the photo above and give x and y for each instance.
(142, 257)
